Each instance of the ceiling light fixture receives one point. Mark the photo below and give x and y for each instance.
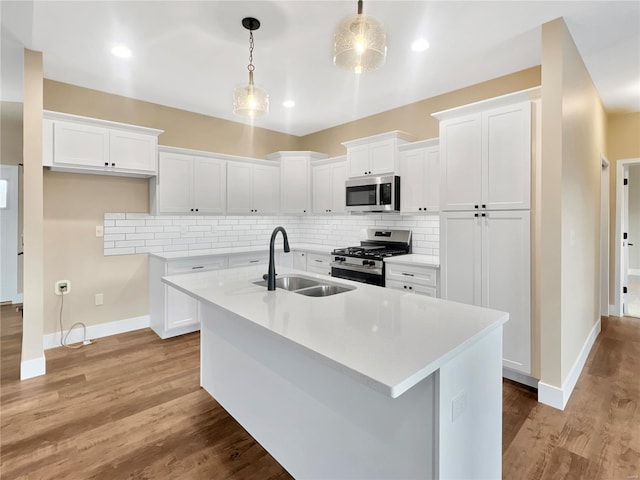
(250, 100)
(420, 45)
(359, 43)
(121, 51)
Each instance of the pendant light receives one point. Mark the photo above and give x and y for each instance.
(250, 100)
(359, 43)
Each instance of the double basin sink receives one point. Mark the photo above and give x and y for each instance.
(310, 287)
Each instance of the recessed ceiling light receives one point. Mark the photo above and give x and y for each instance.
(289, 104)
(420, 45)
(121, 51)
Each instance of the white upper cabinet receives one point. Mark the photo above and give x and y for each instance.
(190, 184)
(419, 176)
(328, 185)
(375, 155)
(253, 188)
(295, 180)
(87, 145)
(485, 155)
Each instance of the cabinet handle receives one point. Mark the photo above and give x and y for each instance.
(196, 268)
(319, 261)
(254, 261)
(407, 274)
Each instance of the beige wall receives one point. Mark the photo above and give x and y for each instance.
(11, 133)
(181, 128)
(416, 118)
(33, 215)
(574, 137)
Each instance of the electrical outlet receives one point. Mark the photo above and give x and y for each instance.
(62, 287)
(99, 299)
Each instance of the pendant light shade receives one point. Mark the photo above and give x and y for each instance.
(360, 43)
(250, 100)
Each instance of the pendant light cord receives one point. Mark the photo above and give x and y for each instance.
(250, 67)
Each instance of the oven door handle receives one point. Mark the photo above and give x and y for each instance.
(356, 268)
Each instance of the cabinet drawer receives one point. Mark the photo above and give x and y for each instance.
(242, 259)
(409, 287)
(318, 263)
(190, 265)
(416, 275)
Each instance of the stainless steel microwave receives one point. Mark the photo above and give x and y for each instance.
(373, 194)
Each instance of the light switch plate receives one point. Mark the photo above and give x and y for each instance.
(99, 299)
(99, 231)
(458, 405)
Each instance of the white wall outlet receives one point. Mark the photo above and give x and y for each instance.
(99, 299)
(62, 287)
(99, 231)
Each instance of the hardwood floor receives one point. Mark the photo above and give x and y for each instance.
(129, 406)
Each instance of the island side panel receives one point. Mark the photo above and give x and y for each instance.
(470, 417)
(316, 421)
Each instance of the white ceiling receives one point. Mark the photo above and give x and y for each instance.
(190, 55)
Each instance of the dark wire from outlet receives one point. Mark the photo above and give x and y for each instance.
(63, 339)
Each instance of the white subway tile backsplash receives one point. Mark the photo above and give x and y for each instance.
(141, 233)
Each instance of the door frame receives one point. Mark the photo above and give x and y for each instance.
(604, 235)
(616, 308)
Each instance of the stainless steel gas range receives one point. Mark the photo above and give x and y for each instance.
(366, 263)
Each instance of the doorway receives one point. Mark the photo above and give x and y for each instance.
(627, 275)
(9, 289)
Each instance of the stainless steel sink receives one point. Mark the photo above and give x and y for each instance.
(291, 283)
(306, 286)
(324, 290)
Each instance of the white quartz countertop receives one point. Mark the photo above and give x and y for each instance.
(306, 247)
(385, 338)
(415, 260)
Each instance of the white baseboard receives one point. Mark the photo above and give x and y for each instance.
(634, 271)
(558, 397)
(52, 340)
(614, 310)
(33, 368)
(519, 377)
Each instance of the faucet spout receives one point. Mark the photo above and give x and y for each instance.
(271, 275)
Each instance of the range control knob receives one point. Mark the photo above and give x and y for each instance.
(368, 263)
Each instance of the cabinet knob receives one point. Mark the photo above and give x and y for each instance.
(420, 208)
(113, 164)
(197, 210)
(484, 206)
(484, 214)
(304, 211)
(475, 206)
(424, 208)
(106, 164)
(475, 215)
(192, 209)
(410, 288)
(405, 286)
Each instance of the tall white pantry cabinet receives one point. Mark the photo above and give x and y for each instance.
(485, 222)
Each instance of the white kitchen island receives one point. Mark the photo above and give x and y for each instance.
(371, 383)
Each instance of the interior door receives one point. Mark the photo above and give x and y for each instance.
(8, 233)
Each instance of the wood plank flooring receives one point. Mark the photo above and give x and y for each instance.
(130, 406)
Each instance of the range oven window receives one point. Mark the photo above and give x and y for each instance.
(361, 195)
(356, 276)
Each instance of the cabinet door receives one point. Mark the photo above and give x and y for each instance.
(77, 144)
(507, 157)
(182, 310)
(382, 156)
(460, 163)
(431, 193)
(209, 185)
(239, 181)
(460, 257)
(506, 285)
(338, 191)
(295, 175)
(322, 191)
(174, 187)
(358, 159)
(266, 189)
(132, 151)
(412, 165)
(300, 261)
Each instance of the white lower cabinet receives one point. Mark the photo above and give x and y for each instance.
(422, 280)
(485, 260)
(171, 312)
(319, 263)
(249, 258)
